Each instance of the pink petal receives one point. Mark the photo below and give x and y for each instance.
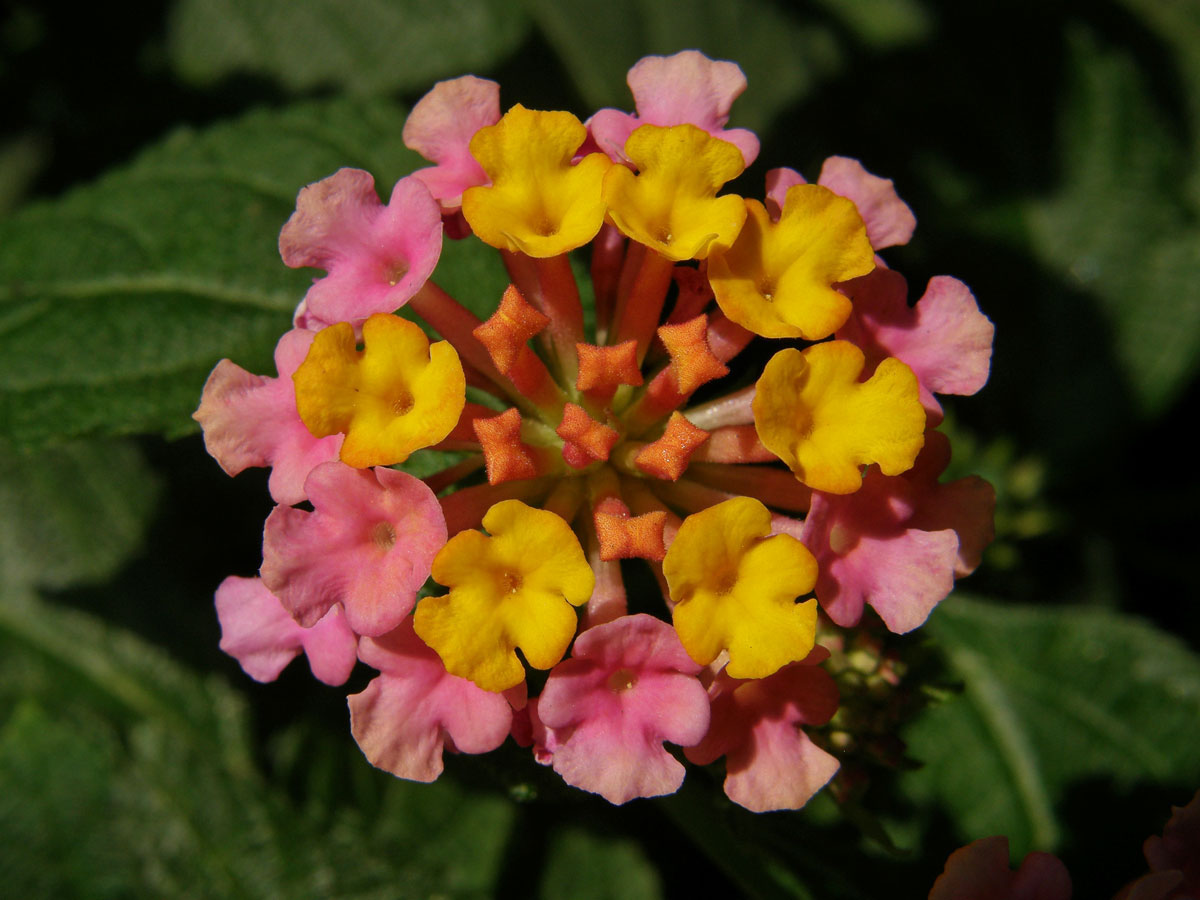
(868, 551)
(368, 544)
(944, 339)
(260, 634)
(440, 128)
(251, 420)
(980, 871)
(782, 769)
(376, 256)
(687, 88)
(778, 182)
(415, 709)
(771, 763)
(629, 686)
(888, 219)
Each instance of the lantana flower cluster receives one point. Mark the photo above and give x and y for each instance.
(593, 433)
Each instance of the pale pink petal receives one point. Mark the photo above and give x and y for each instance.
(687, 88)
(251, 420)
(368, 544)
(628, 687)
(440, 128)
(415, 709)
(782, 770)
(376, 257)
(770, 762)
(980, 871)
(944, 339)
(869, 551)
(1042, 876)
(1178, 849)
(331, 647)
(778, 182)
(888, 219)
(263, 637)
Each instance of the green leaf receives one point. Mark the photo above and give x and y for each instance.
(582, 865)
(783, 56)
(72, 514)
(361, 46)
(1116, 229)
(1051, 696)
(117, 300)
(122, 774)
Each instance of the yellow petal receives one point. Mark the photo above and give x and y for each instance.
(735, 588)
(396, 395)
(777, 279)
(811, 411)
(512, 589)
(538, 202)
(671, 205)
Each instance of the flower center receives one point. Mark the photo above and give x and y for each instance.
(383, 535)
(621, 681)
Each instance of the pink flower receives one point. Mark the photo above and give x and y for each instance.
(440, 128)
(415, 709)
(898, 542)
(980, 871)
(889, 220)
(628, 687)
(251, 420)
(368, 544)
(1174, 859)
(376, 256)
(944, 339)
(687, 88)
(770, 763)
(263, 637)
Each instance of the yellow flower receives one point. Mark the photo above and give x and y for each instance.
(735, 588)
(777, 279)
(538, 202)
(671, 205)
(812, 412)
(513, 589)
(398, 394)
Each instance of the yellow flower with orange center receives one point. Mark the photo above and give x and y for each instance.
(777, 279)
(398, 394)
(512, 589)
(538, 203)
(735, 588)
(671, 204)
(812, 412)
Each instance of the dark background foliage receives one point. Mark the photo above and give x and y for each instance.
(148, 156)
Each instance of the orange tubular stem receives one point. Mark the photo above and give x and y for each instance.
(732, 409)
(734, 444)
(774, 487)
(549, 284)
(726, 339)
(608, 256)
(466, 507)
(608, 601)
(456, 323)
(639, 308)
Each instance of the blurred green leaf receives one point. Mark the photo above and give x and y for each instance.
(124, 775)
(72, 514)
(582, 865)
(1051, 696)
(117, 300)
(782, 55)
(1117, 228)
(361, 46)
